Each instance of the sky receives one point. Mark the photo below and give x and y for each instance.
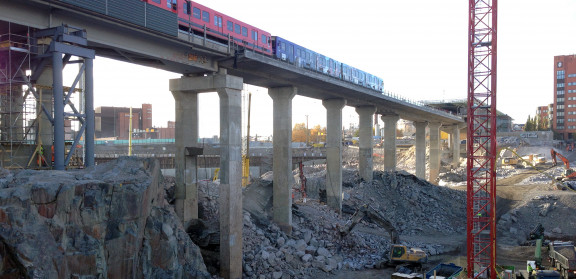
(418, 47)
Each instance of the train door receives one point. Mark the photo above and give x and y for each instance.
(254, 38)
(217, 25)
(290, 52)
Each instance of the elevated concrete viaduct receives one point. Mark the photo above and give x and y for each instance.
(209, 66)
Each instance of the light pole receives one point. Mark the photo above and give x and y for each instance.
(307, 132)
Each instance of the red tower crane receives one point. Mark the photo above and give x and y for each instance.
(481, 139)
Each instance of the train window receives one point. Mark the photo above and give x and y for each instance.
(196, 13)
(156, 1)
(263, 38)
(244, 31)
(283, 46)
(218, 21)
(255, 35)
(187, 7)
(206, 16)
(237, 29)
(171, 4)
(230, 26)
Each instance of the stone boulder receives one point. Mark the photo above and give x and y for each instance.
(110, 221)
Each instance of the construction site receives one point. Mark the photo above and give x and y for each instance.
(476, 203)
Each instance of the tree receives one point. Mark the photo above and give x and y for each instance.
(318, 134)
(299, 132)
(530, 125)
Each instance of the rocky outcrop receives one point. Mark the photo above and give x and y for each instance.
(110, 221)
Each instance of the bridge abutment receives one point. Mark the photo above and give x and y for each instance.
(365, 161)
(420, 152)
(282, 160)
(334, 152)
(390, 141)
(229, 90)
(434, 151)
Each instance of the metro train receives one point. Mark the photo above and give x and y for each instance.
(160, 15)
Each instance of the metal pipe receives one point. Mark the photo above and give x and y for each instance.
(58, 92)
(89, 112)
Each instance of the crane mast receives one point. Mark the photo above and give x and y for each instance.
(481, 139)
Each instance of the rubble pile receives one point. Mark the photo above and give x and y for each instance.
(315, 245)
(542, 207)
(414, 205)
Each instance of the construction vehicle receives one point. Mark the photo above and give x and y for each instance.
(533, 159)
(569, 173)
(446, 271)
(398, 254)
(563, 258)
(510, 161)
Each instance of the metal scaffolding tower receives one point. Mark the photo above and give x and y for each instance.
(481, 141)
(36, 109)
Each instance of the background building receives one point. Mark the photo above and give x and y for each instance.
(564, 108)
(543, 116)
(114, 123)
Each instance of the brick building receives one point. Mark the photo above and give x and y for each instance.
(543, 116)
(564, 107)
(114, 122)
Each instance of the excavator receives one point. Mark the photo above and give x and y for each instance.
(398, 254)
(569, 173)
(568, 177)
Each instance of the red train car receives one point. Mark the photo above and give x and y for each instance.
(218, 26)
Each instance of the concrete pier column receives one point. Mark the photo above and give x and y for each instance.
(230, 200)
(231, 181)
(282, 160)
(46, 132)
(334, 152)
(420, 149)
(186, 135)
(365, 164)
(377, 131)
(434, 151)
(455, 146)
(390, 141)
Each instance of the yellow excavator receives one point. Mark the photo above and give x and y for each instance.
(398, 253)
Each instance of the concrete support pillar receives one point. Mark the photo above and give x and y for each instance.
(46, 132)
(89, 109)
(282, 160)
(455, 146)
(377, 131)
(434, 151)
(186, 135)
(390, 141)
(229, 90)
(365, 166)
(231, 181)
(420, 149)
(334, 152)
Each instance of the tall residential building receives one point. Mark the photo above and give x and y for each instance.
(564, 109)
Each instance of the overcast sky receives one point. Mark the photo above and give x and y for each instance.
(419, 48)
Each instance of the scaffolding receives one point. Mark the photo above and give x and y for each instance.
(18, 131)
